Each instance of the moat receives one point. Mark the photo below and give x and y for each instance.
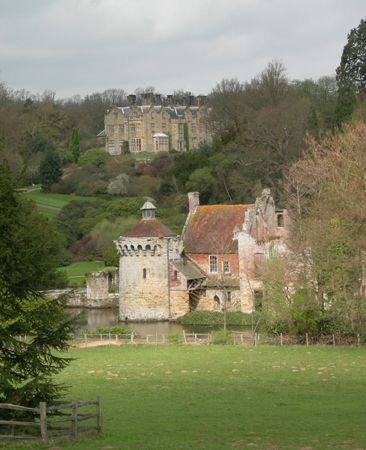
(94, 318)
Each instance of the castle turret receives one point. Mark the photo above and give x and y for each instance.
(145, 251)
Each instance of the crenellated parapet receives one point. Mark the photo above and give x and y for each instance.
(139, 247)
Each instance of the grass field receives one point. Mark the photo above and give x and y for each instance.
(76, 271)
(50, 204)
(222, 397)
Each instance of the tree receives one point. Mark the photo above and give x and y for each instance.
(74, 146)
(351, 73)
(30, 247)
(119, 185)
(50, 170)
(326, 196)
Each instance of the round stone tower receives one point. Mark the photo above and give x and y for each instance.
(145, 252)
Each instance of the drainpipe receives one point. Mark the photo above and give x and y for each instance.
(168, 278)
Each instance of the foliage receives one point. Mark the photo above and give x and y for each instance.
(50, 170)
(119, 185)
(217, 318)
(116, 329)
(325, 194)
(221, 337)
(29, 254)
(74, 146)
(95, 157)
(351, 73)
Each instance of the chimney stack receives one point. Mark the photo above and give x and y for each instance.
(193, 201)
(131, 99)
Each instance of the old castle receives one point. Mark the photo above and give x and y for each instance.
(215, 264)
(158, 125)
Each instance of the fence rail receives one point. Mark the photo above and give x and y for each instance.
(237, 337)
(44, 417)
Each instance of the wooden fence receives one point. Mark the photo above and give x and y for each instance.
(237, 337)
(45, 422)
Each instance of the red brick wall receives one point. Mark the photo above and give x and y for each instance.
(203, 261)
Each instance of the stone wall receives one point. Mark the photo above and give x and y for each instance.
(144, 286)
(77, 298)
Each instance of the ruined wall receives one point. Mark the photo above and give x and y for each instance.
(100, 284)
(144, 288)
(77, 298)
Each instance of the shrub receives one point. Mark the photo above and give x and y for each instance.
(222, 337)
(116, 329)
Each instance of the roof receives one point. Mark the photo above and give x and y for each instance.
(149, 228)
(174, 111)
(147, 205)
(210, 228)
(189, 269)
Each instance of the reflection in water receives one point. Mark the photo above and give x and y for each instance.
(94, 318)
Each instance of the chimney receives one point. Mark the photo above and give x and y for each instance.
(193, 201)
(131, 99)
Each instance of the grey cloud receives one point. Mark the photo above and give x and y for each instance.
(81, 46)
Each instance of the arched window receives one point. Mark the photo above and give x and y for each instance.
(217, 303)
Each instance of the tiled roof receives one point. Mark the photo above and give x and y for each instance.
(149, 228)
(210, 229)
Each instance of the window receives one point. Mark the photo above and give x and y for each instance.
(213, 263)
(228, 296)
(175, 275)
(135, 145)
(121, 128)
(226, 266)
(280, 220)
(180, 145)
(144, 273)
(132, 127)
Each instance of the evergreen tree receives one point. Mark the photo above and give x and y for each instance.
(29, 254)
(351, 73)
(50, 170)
(74, 146)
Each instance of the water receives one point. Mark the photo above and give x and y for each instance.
(91, 319)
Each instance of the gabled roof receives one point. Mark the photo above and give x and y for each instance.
(149, 228)
(210, 228)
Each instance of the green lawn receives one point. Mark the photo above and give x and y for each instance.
(76, 271)
(222, 397)
(50, 204)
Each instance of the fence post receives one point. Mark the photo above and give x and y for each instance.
(147, 339)
(195, 337)
(85, 338)
(109, 338)
(255, 339)
(43, 420)
(358, 340)
(334, 343)
(184, 337)
(74, 418)
(100, 416)
(132, 338)
(281, 339)
(307, 340)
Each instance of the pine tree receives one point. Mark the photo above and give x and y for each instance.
(29, 255)
(74, 146)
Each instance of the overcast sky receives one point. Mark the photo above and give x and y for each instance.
(84, 46)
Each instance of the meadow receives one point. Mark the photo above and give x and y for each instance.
(221, 397)
(76, 271)
(50, 204)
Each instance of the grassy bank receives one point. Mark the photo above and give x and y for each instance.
(215, 318)
(222, 397)
(76, 271)
(50, 204)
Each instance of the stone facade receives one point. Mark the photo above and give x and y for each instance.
(156, 127)
(215, 265)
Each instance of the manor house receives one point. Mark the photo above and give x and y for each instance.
(215, 264)
(158, 125)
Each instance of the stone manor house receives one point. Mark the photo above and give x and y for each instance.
(158, 125)
(215, 264)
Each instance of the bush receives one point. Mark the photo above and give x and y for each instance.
(217, 318)
(116, 329)
(222, 337)
(174, 338)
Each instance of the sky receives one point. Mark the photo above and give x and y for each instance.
(84, 46)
